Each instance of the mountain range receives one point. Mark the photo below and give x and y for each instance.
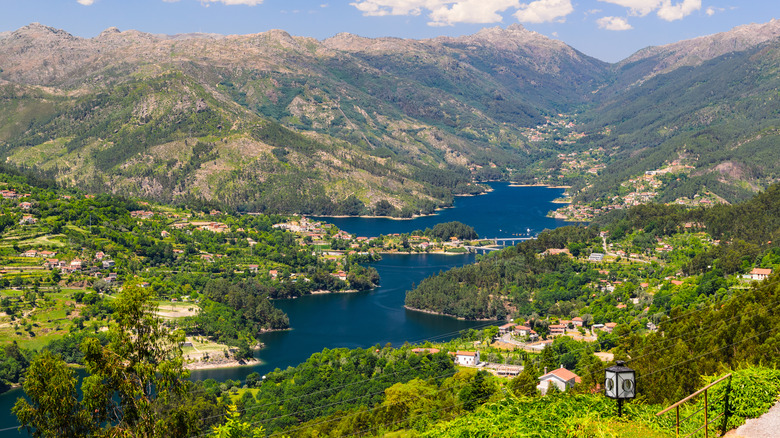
(387, 126)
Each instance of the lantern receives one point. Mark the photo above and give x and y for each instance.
(620, 384)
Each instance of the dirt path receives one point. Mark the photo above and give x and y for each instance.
(765, 426)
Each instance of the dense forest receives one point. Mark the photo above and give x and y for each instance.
(235, 312)
(339, 380)
(447, 230)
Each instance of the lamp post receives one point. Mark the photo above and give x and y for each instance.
(620, 384)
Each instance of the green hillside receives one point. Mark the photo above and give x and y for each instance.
(719, 118)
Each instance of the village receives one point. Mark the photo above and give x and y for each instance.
(639, 190)
(521, 337)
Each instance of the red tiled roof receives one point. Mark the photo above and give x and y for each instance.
(563, 374)
(761, 271)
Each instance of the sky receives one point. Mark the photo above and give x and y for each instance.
(609, 30)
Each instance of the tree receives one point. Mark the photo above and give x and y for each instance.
(101, 286)
(234, 428)
(142, 362)
(53, 409)
(476, 391)
(525, 383)
(490, 333)
(139, 371)
(252, 379)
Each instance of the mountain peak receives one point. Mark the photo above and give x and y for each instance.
(699, 50)
(110, 31)
(38, 30)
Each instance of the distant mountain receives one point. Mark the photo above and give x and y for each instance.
(276, 122)
(652, 61)
(704, 106)
(353, 125)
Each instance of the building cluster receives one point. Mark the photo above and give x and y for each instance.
(99, 266)
(560, 378)
(560, 128)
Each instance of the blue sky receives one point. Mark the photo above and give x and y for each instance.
(606, 29)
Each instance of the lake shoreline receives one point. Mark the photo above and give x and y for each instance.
(414, 216)
(460, 318)
(227, 363)
(539, 185)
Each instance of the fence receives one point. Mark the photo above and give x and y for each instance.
(707, 419)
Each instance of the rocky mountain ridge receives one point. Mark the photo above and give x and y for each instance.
(129, 112)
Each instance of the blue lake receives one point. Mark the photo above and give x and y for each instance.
(505, 212)
(378, 317)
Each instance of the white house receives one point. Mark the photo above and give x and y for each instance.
(561, 378)
(759, 274)
(506, 328)
(522, 330)
(557, 329)
(467, 358)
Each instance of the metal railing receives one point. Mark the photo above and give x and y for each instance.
(707, 419)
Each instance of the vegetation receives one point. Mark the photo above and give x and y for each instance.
(447, 230)
(140, 369)
(737, 239)
(339, 380)
(67, 254)
(237, 312)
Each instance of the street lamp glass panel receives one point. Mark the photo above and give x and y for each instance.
(610, 385)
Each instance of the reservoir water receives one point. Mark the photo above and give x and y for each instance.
(377, 316)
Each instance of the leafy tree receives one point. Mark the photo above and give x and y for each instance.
(235, 428)
(139, 370)
(525, 383)
(478, 388)
(53, 409)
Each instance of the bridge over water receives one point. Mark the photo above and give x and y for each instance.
(498, 243)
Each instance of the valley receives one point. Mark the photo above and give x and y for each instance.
(231, 205)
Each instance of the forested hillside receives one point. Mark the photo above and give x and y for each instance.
(719, 118)
(537, 279)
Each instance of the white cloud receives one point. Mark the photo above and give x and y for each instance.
(471, 11)
(233, 2)
(613, 23)
(85, 2)
(670, 12)
(450, 12)
(666, 10)
(394, 7)
(712, 11)
(637, 7)
(543, 11)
